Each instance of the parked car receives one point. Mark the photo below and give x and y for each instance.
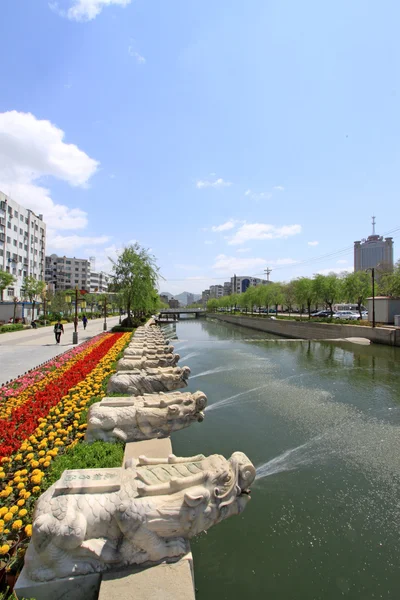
(346, 314)
(321, 313)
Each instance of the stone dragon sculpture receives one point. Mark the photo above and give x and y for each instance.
(138, 382)
(130, 362)
(143, 417)
(155, 506)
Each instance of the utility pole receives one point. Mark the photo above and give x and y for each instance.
(267, 271)
(75, 332)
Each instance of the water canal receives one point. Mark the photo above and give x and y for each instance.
(321, 423)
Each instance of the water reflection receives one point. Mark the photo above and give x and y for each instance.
(320, 421)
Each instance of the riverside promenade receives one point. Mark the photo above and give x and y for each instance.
(24, 350)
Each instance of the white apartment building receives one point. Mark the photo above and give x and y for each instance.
(22, 244)
(99, 282)
(67, 273)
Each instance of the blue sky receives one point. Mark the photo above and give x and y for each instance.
(225, 136)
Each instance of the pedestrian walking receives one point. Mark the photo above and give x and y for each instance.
(84, 321)
(58, 330)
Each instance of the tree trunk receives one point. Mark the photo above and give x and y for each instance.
(309, 308)
(330, 307)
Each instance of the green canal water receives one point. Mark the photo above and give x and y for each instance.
(320, 421)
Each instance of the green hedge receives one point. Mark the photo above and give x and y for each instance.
(12, 327)
(120, 329)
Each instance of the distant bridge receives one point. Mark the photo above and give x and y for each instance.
(174, 314)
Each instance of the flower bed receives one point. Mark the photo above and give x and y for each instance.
(43, 425)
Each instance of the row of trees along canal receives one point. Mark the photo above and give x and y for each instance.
(132, 290)
(307, 294)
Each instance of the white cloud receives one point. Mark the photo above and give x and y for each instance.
(31, 149)
(334, 270)
(225, 226)
(85, 10)
(136, 55)
(243, 250)
(313, 243)
(263, 231)
(279, 188)
(228, 264)
(257, 196)
(215, 183)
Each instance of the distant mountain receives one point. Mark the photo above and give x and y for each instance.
(183, 297)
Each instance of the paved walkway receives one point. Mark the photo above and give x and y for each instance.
(24, 350)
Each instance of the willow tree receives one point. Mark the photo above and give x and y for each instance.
(134, 277)
(32, 289)
(6, 279)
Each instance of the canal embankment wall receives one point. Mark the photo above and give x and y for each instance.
(309, 330)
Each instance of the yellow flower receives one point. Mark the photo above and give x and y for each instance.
(20, 486)
(14, 509)
(34, 463)
(30, 455)
(36, 489)
(45, 464)
(3, 511)
(6, 492)
(4, 549)
(18, 457)
(22, 512)
(5, 459)
(17, 524)
(21, 502)
(8, 517)
(28, 530)
(36, 479)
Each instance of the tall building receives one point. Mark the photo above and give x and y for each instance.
(239, 284)
(189, 299)
(22, 244)
(373, 251)
(99, 282)
(216, 291)
(205, 296)
(227, 288)
(65, 273)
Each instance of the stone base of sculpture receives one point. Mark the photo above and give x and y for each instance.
(94, 520)
(143, 417)
(68, 588)
(151, 381)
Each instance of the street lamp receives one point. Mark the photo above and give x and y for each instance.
(372, 269)
(68, 299)
(105, 313)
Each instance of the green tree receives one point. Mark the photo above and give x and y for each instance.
(288, 290)
(277, 296)
(212, 304)
(389, 283)
(134, 277)
(327, 289)
(304, 293)
(357, 288)
(32, 289)
(6, 279)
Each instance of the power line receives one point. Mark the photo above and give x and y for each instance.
(342, 252)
